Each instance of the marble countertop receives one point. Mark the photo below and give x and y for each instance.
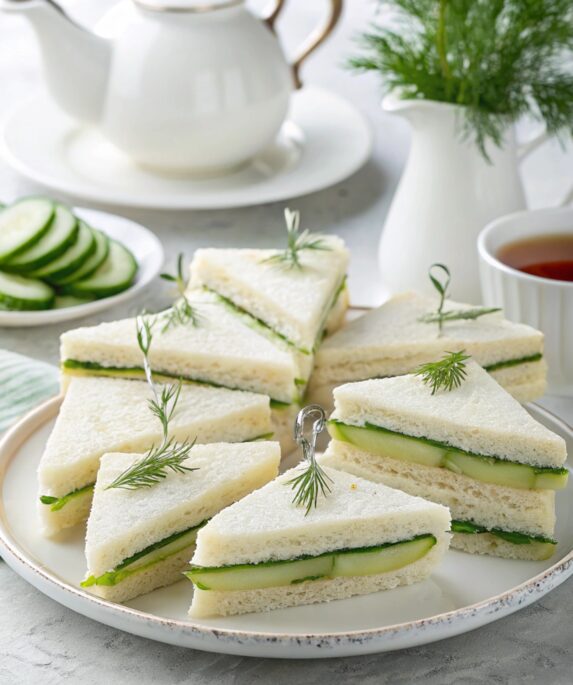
(40, 640)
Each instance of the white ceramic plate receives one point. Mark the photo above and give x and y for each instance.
(146, 249)
(324, 141)
(465, 591)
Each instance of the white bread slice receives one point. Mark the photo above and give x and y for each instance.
(224, 348)
(267, 526)
(295, 302)
(531, 512)
(478, 416)
(123, 522)
(524, 382)
(391, 340)
(100, 415)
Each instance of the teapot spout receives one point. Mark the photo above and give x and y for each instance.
(76, 61)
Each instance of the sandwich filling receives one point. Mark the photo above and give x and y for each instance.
(544, 546)
(485, 468)
(514, 362)
(360, 561)
(150, 556)
(79, 368)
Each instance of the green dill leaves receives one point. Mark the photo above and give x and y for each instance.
(297, 242)
(313, 480)
(446, 374)
(441, 285)
(153, 468)
(500, 60)
(182, 312)
(168, 455)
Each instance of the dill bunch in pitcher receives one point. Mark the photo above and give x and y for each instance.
(498, 59)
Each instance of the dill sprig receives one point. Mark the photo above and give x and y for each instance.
(440, 316)
(153, 468)
(297, 242)
(168, 455)
(313, 481)
(448, 373)
(499, 59)
(182, 312)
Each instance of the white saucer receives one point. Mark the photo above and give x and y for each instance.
(324, 141)
(146, 249)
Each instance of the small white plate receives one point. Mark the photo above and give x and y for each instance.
(464, 592)
(146, 249)
(324, 141)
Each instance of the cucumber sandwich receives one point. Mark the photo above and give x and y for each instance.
(394, 339)
(471, 447)
(298, 294)
(100, 415)
(140, 539)
(223, 348)
(264, 553)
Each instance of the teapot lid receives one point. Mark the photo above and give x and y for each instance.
(186, 5)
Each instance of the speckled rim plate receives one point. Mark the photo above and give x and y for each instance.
(265, 643)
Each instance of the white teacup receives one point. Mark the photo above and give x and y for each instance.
(543, 303)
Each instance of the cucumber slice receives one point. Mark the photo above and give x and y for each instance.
(91, 264)
(151, 555)
(22, 224)
(19, 293)
(386, 443)
(113, 276)
(389, 444)
(363, 561)
(63, 301)
(61, 234)
(72, 258)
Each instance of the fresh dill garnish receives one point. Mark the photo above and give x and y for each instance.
(313, 481)
(499, 60)
(297, 242)
(154, 466)
(439, 316)
(182, 312)
(168, 455)
(448, 373)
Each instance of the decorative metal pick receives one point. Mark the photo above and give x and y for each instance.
(313, 480)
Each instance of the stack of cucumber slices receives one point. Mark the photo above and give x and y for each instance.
(51, 259)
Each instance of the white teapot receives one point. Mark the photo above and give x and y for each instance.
(195, 86)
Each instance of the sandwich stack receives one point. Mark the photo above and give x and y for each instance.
(264, 553)
(141, 539)
(473, 448)
(100, 415)
(397, 337)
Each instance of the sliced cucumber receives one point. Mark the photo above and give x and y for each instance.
(149, 556)
(386, 443)
(363, 561)
(61, 234)
(90, 265)
(23, 224)
(19, 293)
(113, 276)
(64, 301)
(72, 259)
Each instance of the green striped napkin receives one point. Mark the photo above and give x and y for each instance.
(24, 383)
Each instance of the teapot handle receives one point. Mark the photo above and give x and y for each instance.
(314, 39)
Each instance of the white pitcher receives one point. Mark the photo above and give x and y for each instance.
(447, 194)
